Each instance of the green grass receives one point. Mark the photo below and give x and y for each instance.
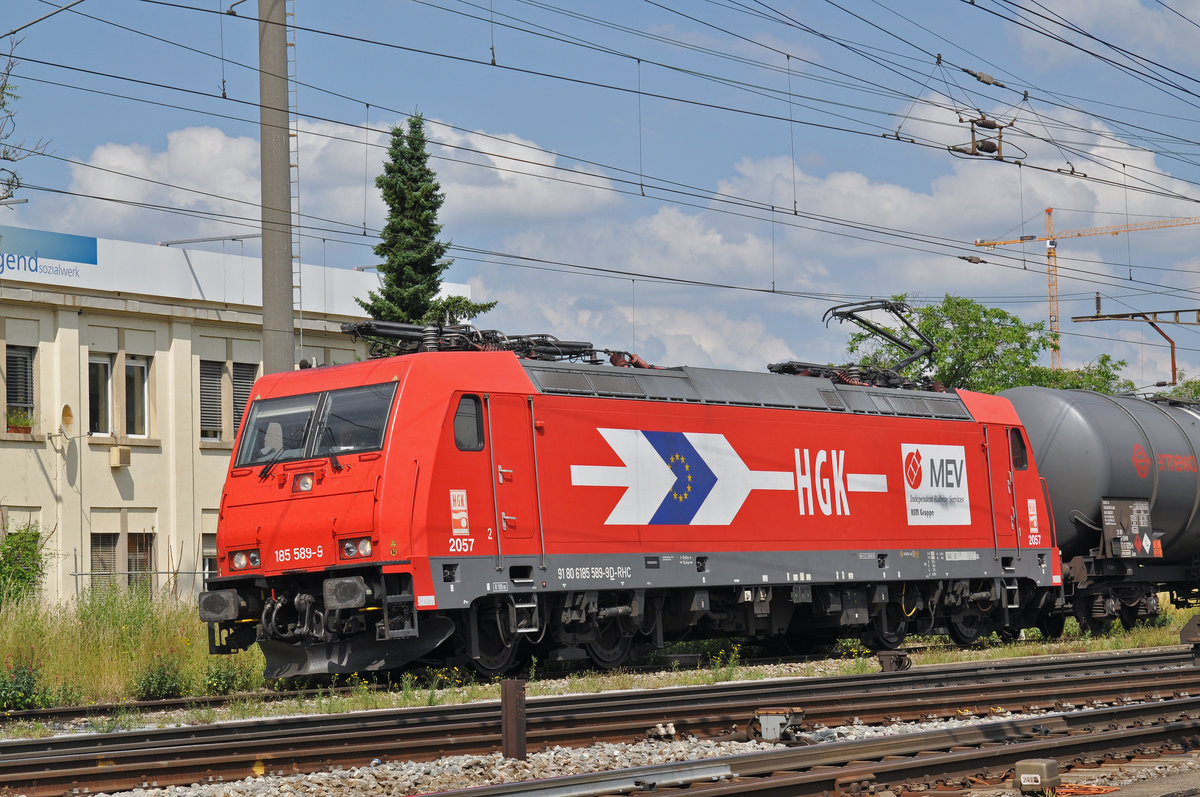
(97, 649)
(111, 646)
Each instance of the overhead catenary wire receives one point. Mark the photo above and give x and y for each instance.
(380, 43)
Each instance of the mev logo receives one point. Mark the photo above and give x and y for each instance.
(935, 485)
(912, 469)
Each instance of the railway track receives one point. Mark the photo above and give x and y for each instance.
(1176, 655)
(233, 750)
(942, 760)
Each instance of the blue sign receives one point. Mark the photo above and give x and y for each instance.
(22, 250)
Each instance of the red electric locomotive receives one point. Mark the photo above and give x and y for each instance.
(476, 504)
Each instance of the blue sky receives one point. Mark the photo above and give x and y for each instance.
(618, 153)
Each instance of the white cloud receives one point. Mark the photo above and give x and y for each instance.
(1126, 23)
(672, 324)
(220, 170)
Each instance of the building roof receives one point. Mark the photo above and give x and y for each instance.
(60, 261)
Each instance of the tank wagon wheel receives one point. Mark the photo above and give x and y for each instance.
(612, 646)
(1095, 626)
(1051, 626)
(1128, 616)
(887, 630)
(1009, 634)
(966, 627)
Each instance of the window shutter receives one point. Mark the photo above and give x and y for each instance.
(210, 397)
(104, 559)
(243, 383)
(19, 377)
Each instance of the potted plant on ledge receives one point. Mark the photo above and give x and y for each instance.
(20, 420)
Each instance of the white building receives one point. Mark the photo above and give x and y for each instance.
(133, 363)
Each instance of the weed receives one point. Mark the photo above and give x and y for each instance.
(243, 709)
(162, 678)
(220, 676)
(201, 715)
(20, 686)
(26, 729)
(23, 561)
(120, 720)
(407, 682)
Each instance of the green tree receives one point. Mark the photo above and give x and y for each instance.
(1101, 375)
(414, 258)
(11, 151)
(985, 349)
(1186, 389)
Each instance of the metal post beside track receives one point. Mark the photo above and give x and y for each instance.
(512, 718)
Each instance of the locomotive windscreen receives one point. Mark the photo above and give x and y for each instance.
(315, 425)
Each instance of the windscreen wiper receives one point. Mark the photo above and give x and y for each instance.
(333, 460)
(283, 448)
(266, 469)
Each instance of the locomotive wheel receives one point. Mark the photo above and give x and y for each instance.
(612, 645)
(888, 629)
(497, 651)
(965, 628)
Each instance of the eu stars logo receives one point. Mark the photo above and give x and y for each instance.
(677, 461)
(694, 479)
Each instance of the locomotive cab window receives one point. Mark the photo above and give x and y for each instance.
(276, 429)
(468, 424)
(315, 425)
(1016, 445)
(355, 420)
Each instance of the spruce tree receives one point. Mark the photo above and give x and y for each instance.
(414, 258)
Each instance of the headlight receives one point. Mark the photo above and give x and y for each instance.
(302, 483)
(243, 559)
(356, 548)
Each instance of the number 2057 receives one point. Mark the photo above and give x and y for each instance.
(462, 544)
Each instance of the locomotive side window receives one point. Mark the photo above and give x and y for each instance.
(1016, 444)
(468, 425)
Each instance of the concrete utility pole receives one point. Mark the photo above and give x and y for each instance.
(278, 323)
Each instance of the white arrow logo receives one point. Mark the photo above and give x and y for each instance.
(676, 479)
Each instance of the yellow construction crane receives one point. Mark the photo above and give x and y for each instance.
(1052, 238)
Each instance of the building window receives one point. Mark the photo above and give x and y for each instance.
(215, 414)
(244, 375)
(137, 394)
(100, 394)
(104, 560)
(139, 555)
(18, 381)
(208, 554)
(210, 399)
